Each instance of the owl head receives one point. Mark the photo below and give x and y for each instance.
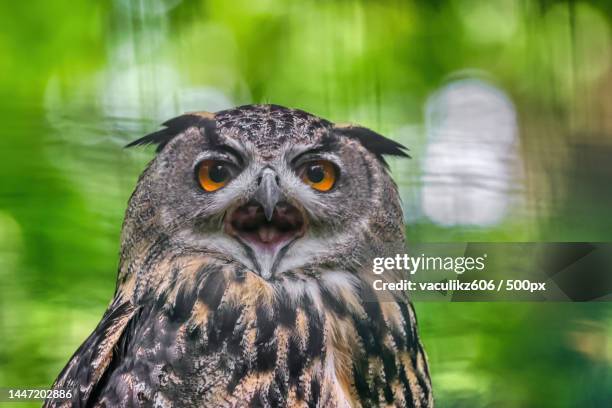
(270, 187)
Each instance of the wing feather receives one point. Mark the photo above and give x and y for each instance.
(88, 365)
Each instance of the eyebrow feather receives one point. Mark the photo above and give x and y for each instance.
(229, 150)
(326, 144)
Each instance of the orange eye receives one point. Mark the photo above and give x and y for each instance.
(213, 174)
(320, 175)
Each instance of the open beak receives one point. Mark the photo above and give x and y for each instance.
(266, 225)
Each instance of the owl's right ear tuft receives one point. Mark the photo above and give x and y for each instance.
(176, 126)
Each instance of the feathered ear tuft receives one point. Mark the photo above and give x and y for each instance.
(376, 143)
(174, 127)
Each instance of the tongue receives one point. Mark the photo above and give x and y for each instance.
(267, 233)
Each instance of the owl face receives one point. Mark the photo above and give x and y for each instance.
(273, 188)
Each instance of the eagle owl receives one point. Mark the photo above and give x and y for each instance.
(245, 279)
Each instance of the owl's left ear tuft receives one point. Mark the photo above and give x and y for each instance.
(174, 127)
(376, 143)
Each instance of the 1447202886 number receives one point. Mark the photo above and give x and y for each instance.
(15, 394)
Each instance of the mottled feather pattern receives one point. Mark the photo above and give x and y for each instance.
(243, 341)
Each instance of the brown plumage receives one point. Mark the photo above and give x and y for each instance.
(258, 293)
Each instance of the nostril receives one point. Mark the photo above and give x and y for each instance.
(277, 179)
(259, 180)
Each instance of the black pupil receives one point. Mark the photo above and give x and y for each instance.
(218, 173)
(315, 173)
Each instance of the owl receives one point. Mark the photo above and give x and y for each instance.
(245, 273)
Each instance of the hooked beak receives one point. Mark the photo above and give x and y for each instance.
(268, 193)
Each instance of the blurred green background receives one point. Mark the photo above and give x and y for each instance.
(505, 105)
